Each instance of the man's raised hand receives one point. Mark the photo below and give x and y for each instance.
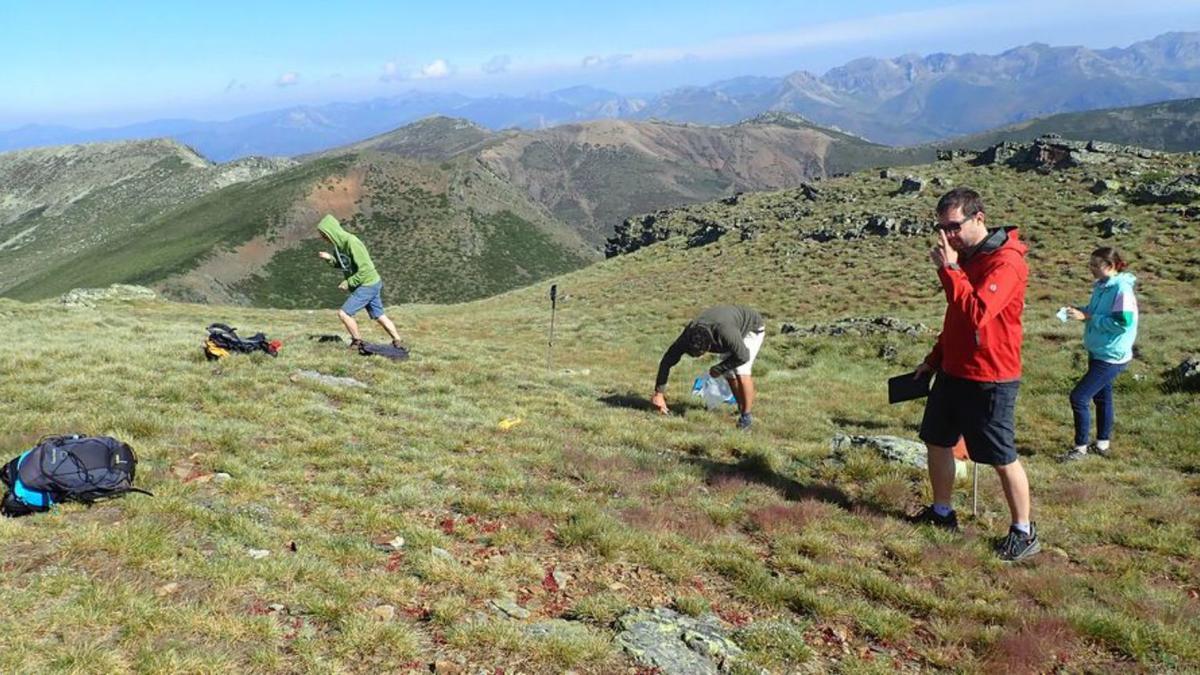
(946, 252)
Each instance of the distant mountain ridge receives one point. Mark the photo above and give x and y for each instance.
(592, 175)
(909, 99)
(451, 211)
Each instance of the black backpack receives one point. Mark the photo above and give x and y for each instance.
(225, 338)
(67, 469)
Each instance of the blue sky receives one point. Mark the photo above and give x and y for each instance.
(83, 64)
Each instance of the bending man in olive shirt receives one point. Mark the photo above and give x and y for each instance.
(733, 331)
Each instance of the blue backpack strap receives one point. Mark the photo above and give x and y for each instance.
(34, 498)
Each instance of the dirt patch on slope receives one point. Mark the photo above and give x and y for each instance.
(338, 194)
(215, 278)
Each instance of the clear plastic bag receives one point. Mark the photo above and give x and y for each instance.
(713, 390)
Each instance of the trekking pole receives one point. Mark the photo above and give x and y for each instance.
(553, 309)
(974, 489)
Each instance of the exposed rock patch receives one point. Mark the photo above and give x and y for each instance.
(891, 448)
(675, 644)
(1052, 152)
(858, 326)
(1183, 189)
(88, 297)
(1111, 227)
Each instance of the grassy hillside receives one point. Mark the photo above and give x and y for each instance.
(451, 211)
(807, 560)
(180, 238)
(595, 175)
(1173, 126)
(436, 232)
(71, 202)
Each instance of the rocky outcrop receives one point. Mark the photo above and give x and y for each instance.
(891, 448)
(640, 231)
(884, 226)
(1052, 152)
(858, 326)
(674, 644)
(1111, 227)
(1183, 189)
(911, 185)
(1185, 376)
(89, 297)
(637, 232)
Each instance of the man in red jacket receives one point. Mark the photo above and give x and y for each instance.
(977, 359)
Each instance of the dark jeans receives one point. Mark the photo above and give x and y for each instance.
(1095, 386)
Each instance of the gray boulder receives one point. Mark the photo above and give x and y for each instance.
(675, 644)
(508, 606)
(911, 185)
(1185, 376)
(1111, 227)
(891, 448)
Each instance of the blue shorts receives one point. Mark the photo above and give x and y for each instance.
(370, 297)
(982, 413)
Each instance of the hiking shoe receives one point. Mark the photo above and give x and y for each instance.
(1096, 449)
(399, 345)
(355, 343)
(927, 516)
(1073, 456)
(1018, 546)
(744, 421)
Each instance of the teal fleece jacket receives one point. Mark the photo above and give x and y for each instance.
(1112, 319)
(349, 254)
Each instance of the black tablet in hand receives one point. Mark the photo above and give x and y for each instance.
(907, 387)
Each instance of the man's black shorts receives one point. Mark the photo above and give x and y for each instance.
(981, 412)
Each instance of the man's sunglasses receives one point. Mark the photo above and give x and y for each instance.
(952, 226)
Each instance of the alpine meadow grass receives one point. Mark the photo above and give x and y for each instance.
(398, 516)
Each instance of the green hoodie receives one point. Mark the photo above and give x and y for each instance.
(349, 254)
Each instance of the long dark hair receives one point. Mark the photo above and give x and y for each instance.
(1111, 256)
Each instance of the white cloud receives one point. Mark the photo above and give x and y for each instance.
(497, 64)
(436, 70)
(288, 79)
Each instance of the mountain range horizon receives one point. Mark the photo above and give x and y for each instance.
(903, 100)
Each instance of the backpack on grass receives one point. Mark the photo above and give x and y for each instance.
(223, 339)
(67, 469)
(384, 349)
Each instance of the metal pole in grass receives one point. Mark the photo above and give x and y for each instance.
(553, 309)
(974, 489)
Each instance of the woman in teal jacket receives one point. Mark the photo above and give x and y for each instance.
(1110, 327)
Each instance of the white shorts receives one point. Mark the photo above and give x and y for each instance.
(753, 342)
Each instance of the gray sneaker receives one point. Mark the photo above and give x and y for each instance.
(1096, 449)
(1073, 456)
(1018, 546)
(927, 516)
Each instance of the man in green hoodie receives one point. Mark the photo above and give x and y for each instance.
(361, 280)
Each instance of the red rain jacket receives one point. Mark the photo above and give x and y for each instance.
(981, 332)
